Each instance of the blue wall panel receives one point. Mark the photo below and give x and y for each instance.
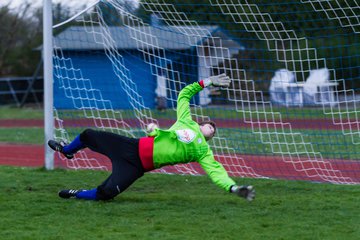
(99, 86)
(98, 81)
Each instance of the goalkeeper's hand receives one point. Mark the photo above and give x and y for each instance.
(247, 192)
(218, 81)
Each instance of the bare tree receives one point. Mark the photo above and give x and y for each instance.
(18, 31)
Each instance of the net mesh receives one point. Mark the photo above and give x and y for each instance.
(291, 111)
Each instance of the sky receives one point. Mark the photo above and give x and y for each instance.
(75, 5)
(37, 3)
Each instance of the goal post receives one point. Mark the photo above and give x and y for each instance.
(48, 82)
(291, 111)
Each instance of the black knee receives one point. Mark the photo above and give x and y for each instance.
(86, 134)
(106, 193)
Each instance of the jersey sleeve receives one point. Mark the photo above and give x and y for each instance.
(216, 171)
(183, 101)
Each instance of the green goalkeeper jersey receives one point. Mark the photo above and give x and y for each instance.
(184, 142)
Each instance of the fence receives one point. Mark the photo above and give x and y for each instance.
(21, 90)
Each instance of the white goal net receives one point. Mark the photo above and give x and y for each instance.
(291, 111)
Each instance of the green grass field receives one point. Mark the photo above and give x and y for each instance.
(9, 112)
(173, 207)
(22, 135)
(167, 206)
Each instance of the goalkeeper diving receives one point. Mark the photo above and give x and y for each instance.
(183, 142)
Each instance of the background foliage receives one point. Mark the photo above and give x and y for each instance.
(21, 32)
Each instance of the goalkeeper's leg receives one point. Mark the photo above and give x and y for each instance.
(122, 177)
(126, 164)
(95, 140)
(124, 173)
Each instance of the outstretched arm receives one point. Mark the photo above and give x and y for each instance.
(220, 177)
(216, 172)
(183, 102)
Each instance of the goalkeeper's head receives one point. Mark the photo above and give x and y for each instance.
(208, 129)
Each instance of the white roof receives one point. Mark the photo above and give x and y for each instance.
(144, 37)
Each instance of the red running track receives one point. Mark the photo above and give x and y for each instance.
(270, 166)
(28, 155)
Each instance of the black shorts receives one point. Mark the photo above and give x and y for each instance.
(124, 155)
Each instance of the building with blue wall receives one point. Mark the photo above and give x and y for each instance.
(86, 56)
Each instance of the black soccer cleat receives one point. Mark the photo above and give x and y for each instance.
(68, 193)
(58, 147)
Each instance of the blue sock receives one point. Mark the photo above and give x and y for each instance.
(74, 146)
(87, 194)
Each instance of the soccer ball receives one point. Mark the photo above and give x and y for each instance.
(151, 127)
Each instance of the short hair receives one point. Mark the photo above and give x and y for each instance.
(213, 124)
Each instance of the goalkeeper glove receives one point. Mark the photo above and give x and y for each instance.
(218, 81)
(247, 192)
